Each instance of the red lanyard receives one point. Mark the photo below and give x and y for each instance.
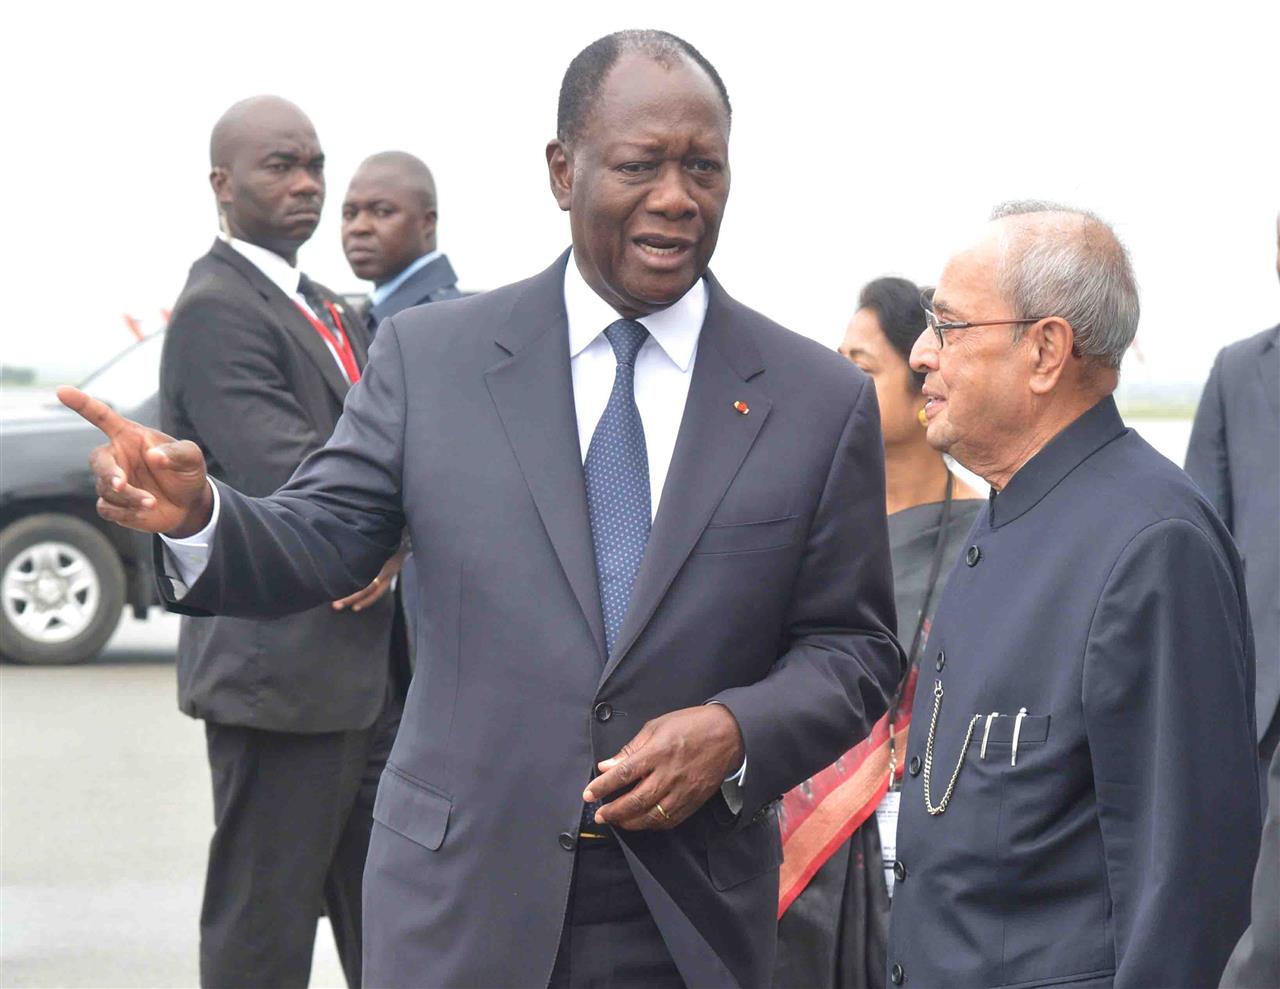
(340, 344)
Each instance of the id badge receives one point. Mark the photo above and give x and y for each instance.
(887, 822)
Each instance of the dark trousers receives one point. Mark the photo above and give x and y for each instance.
(292, 817)
(610, 940)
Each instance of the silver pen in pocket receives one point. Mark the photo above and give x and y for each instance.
(1017, 730)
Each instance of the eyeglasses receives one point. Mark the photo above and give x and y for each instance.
(940, 326)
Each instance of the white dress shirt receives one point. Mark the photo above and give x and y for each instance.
(664, 368)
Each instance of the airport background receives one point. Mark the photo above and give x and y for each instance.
(867, 140)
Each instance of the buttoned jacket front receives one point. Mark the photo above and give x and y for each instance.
(1101, 595)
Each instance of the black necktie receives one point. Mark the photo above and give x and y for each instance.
(307, 289)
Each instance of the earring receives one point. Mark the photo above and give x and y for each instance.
(922, 417)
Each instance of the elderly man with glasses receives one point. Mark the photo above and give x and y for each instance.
(1080, 805)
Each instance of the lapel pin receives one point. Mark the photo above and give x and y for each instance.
(742, 407)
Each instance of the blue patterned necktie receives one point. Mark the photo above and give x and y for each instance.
(617, 475)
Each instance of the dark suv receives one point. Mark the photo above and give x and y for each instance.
(65, 575)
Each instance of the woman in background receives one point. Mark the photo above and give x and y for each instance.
(835, 883)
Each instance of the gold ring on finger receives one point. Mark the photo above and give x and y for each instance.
(665, 815)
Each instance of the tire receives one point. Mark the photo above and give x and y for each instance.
(61, 590)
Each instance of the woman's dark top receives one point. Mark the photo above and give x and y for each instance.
(834, 934)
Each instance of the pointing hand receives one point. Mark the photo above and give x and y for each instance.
(145, 479)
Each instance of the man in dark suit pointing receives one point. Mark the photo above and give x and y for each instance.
(651, 544)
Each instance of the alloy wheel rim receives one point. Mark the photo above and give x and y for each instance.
(50, 592)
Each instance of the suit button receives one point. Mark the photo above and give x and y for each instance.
(603, 712)
(897, 975)
(972, 555)
(567, 841)
(913, 767)
(899, 871)
(941, 661)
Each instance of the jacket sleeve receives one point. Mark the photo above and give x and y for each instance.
(1207, 450)
(326, 533)
(225, 373)
(1167, 698)
(841, 661)
(1256, 959)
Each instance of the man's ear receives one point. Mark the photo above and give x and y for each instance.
(1050, 341)
(429, 225)
(219, 181)
(560, 172)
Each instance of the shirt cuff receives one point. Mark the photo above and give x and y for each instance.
(186, 558)
(731, 788)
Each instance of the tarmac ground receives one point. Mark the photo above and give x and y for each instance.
(105, 818)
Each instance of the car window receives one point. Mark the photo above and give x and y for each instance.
(129, 378)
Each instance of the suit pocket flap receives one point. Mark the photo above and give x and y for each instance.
(1035, 729)
(412, 809)
(733, 857)
(747, 537)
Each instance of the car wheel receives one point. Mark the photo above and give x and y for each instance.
(61, 590)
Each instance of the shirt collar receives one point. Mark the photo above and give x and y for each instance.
(1055, 460)
(384, 291)
(277, 270)
(676, 328)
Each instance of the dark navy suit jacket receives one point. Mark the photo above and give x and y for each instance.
(1102, 593)
(1234, 456)
(765, 585)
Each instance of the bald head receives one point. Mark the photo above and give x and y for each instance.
(388, 215)
(1055, 260)
(403, 170)
(267, 172)
(248, 118)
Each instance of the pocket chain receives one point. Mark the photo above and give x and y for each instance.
(928, 755)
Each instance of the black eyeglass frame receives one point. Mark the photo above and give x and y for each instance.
(941, 326)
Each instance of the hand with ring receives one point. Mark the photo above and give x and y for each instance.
(379, 586)
(670, 769)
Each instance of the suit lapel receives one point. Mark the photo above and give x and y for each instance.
(1269, 369)
(533, 391)
(289, 316)
(713, 441)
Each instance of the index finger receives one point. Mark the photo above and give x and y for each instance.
(93, 410)
(622, 773)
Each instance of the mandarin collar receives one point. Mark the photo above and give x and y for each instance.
(1055, 460)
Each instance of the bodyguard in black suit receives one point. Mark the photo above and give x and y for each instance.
(257, 362)
(1234, 455)
(1080, 806)
(389, 219)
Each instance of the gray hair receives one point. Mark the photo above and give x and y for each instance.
(1082, 275)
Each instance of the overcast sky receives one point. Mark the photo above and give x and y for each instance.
(867, 141)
